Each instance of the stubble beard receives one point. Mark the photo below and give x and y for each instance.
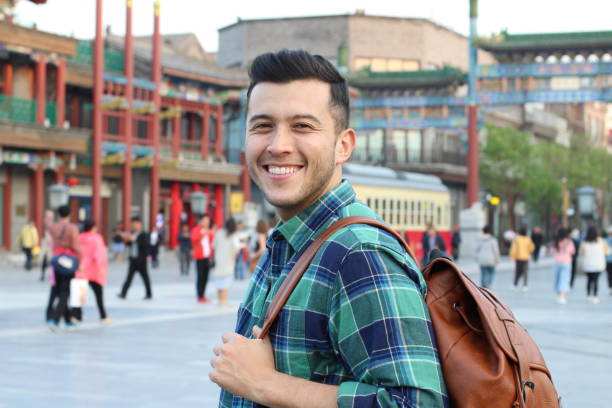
(311, 189)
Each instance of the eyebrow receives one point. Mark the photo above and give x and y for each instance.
(294, 117)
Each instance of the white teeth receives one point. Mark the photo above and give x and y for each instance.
(281, 170)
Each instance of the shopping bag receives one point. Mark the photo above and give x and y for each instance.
(78, 292)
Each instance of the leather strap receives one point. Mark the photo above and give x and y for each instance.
(302, 263)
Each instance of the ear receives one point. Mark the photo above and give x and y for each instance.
(345, 145)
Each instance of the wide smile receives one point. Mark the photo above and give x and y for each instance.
(281, 172)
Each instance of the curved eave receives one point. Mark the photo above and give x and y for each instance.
(403, 82)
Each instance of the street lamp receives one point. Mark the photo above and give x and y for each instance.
(59, 194)
(197, 199)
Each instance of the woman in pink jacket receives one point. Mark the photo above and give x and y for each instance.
(93, 266)
(562, 250)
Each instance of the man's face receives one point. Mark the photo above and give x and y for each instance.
(136, 225)
(292, 150)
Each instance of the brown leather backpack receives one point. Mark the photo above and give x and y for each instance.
(488, 359)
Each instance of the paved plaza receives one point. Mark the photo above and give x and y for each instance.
(156, 353)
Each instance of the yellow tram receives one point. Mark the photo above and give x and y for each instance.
(407, 201)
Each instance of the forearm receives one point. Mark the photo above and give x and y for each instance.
(285, 391)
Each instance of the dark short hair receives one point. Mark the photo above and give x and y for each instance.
(63, 211)
(136, 219)
(230, 225)
(591, 234)
(88, 225)
(291, 65)
(522, 230)
(486, 229)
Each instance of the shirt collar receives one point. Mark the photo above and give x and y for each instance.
(299, 229)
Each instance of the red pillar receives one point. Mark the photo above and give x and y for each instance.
(473, 151)
(245, 179)
(126, 207)
(39, 197)
(60, 90)
(219, 134)
(6, 208)
(98, 73)
(205, 131)
(8, 79)
(219, 206)
(176, 207)
(41, 87)
(156, 77)
(59, 174)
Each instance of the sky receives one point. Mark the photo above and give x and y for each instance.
(204, 18)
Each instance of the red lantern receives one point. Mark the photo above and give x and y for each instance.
(72, 181)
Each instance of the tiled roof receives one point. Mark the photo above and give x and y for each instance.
(589, 40)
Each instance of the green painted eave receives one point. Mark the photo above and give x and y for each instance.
(549, 41)
(439, 77)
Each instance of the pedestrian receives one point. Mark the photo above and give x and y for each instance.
(66, 255)
(226, 247)
(456, 242)
(431, 239)
(160, 225)
(46, 252)
(118, 246)
(94, 268)
(563, 250)
(537, 238)
(356, 331)
(202, 237)
(155, 241)
(521, 249)
(575, 237)
(184, 249)
(487, 256)
(137, 242)
(242, 258)
(609, 259)
(29, 242)
(258, 243)
(593, 251)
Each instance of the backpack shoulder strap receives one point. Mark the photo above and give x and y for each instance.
(304, 260)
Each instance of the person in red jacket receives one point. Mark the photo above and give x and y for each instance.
(202, 237)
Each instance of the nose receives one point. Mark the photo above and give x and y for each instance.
(281, 142)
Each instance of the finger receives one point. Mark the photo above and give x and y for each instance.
(256, 331)
(217, 349)
(214, 362)
(227, 337)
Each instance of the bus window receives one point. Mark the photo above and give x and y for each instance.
(432, 211)
(369, 202)
(398, 214)
(383, 212)
(418, 213)
(405, 213)
(376, 205)
(411, 212)
(391, 212)
(439, 216)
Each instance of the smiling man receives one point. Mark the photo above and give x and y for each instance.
(356, 331)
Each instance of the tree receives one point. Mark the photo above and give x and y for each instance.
(504, 164)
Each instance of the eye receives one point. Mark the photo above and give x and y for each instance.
(303, 126)
(261, 126)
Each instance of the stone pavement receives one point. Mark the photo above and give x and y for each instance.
(156, 353)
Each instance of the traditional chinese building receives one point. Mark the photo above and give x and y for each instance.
(160, 135)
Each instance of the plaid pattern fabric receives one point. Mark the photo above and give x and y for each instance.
(357, 318)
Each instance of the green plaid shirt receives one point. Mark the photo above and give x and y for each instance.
(357, 318)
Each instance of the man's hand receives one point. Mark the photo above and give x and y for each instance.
(243, 366)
